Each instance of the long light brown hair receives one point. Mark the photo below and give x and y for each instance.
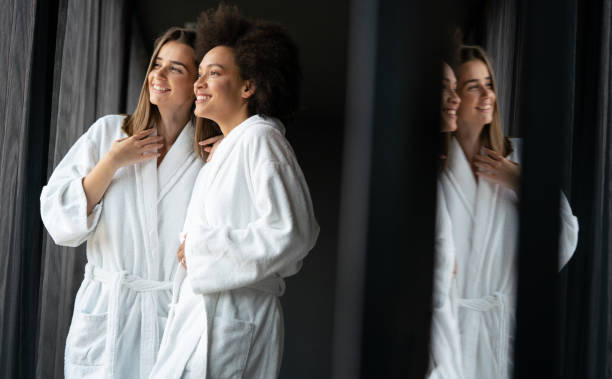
(492, 135)
(146, 114)
(204, 128)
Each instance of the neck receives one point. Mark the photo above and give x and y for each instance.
(229, 123)
(171, 123)
(469, 140)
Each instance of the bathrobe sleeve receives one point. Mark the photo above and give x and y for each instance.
(568, 237)
(63, 204)
(222, 258)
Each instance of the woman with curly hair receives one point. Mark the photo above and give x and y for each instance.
(250, 222)
(445, 351)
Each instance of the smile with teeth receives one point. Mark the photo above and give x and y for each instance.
(484, 107)
(202, 98)
(159, 88)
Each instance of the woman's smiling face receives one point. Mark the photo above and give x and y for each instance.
(172, 75)
(220, 91)
(475, 88)
(450, 99)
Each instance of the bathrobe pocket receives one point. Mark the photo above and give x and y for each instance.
(85, 345)
(230, 343)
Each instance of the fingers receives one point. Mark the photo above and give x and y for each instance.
(491, 153)
(147, 156)
(484, 159)
(144, 133)
(148, 141)
(487, 175)
(181, 260)
(150, 148)
(180, 254)
(484, 167)
(212, 149)
(210, 141)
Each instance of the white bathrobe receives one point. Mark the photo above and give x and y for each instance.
(485, 223)
(445, 342)
(121, 306)
(249, 225)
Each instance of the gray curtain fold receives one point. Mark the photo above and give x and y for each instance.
(138, 60)
(16, 48)
(503, 42)
(95, 73)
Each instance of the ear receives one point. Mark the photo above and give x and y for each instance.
(248, 89)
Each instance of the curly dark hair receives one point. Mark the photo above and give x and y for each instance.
(264, 53)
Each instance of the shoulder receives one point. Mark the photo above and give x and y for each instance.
(260, 128)
(106, 128)
(265, 138)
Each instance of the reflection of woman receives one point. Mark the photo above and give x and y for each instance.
(123, 188)
(250, 221)
(480, 185)
(445, 345)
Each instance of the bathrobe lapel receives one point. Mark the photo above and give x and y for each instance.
(178, 159)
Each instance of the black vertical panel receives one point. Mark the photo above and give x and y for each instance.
(399, 261)
(545, 100)
(586, 345)
(352, 235)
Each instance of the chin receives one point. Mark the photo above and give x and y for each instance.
(199, 113)
(448, 125)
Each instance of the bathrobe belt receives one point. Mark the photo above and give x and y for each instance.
(495, 302)
(117, 280)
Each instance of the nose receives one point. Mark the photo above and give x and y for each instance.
(199, 83)
(454, 98)
(487, 92)
(160, 72)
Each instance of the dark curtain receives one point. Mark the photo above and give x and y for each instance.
(99, 68)
(584, 286)
(24, 110)
(546, 60)
(63, 64)
(587, 280)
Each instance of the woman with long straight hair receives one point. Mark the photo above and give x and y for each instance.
(123, 188)
(250, 222)
(481, 184)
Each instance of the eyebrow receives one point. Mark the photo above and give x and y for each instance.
(215, 64)
(173, 62)
(476, 80)
(200, 68)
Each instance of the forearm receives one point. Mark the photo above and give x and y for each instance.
(97, 181)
